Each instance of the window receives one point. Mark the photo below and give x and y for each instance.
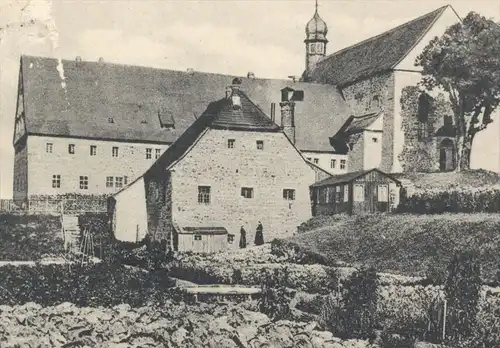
(312, 47)
(333, 163)
(383, 193)
(84, 182)
(48, 147)
(260, 145)
(93, 150)
(56, 181)
(346, 193)
(204, 194)
(230, 143)
(247, 192)
(316, 161)
(422, 130)
(342, 164)
(309, 158)
(118, 182)
(109, 181)
(338, 194)
(125, 180)
(375, 140)
(114, 151)
(148, 153)
(230, 238)
(359, 193)
(157, 153)
(71, 148)
(197, 236)
(289, 194)
(111, 120)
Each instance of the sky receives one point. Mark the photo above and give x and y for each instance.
(223, 36)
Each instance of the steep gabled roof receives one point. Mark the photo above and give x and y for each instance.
(348, 177)
(374, 55)
(139, 99)
(218, 115)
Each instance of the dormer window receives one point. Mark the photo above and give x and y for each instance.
(166, 118)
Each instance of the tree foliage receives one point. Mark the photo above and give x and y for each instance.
(465, 62)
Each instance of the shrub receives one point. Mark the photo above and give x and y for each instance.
(84, 285)
(293, 253)
(30, 237)
(356, 317)
(462, 291)
(275, 299)
(453, 201)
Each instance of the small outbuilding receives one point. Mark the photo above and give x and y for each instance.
(364, 191)
(201, 239)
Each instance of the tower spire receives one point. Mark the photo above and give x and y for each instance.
(316, 30)
(316, 6)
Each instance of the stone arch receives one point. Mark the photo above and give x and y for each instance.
(447, 154)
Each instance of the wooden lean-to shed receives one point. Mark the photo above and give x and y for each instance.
(201, 239)
(365, 191)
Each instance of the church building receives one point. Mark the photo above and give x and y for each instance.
(95, 127)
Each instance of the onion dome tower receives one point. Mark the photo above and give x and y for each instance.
(316, 30)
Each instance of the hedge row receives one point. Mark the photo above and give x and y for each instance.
(100, 284)
(428, 202)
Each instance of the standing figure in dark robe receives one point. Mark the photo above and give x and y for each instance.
(259, 237)
(243, 238)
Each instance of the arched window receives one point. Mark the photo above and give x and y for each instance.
(424, 105)
(447, 155)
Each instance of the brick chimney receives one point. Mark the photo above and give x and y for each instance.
(288, 119)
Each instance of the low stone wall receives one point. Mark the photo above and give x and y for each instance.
(173, 325)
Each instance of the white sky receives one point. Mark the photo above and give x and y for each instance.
(223, 36)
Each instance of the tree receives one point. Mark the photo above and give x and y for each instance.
(465, 62)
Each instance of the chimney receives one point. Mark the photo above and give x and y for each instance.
(250, 75)
(78, 60)
(273, 112)
(101, 60)
(288, 119)
(232, 93)
(190, 71)
(293, 78)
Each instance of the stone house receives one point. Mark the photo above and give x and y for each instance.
(232, 167)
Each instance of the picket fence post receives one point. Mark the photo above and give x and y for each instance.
(444, 319)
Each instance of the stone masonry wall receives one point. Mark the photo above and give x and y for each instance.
(131, 162)
(360, 97)
(226, 170)
(421, 154)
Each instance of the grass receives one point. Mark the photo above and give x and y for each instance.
(29, 237)
(406, 244)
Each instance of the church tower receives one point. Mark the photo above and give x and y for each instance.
(315, 41)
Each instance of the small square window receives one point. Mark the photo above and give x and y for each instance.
(333, 163)
(316, 161)
(111, 120)
(342, 164)
(247, 192)
(109, 181)
(260, 145)
(48, 147)
(230, 238)
(56, 181)
(149, 153)
(375, 140)
(118, 182)
(157, 153)
(204, 194)
(230, 143)
(114, 151)
(93, 150)
(84, 182)
(71, 148)
(289, 194)
(197, 237)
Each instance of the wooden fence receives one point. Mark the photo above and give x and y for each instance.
(54, 206)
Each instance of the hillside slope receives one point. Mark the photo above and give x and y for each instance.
(406, 244)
